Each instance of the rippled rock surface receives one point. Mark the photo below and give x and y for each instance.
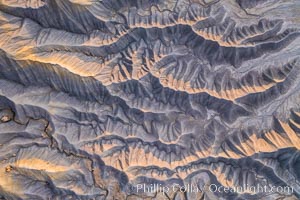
(101, 97)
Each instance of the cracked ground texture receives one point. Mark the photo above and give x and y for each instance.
(100, 96)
